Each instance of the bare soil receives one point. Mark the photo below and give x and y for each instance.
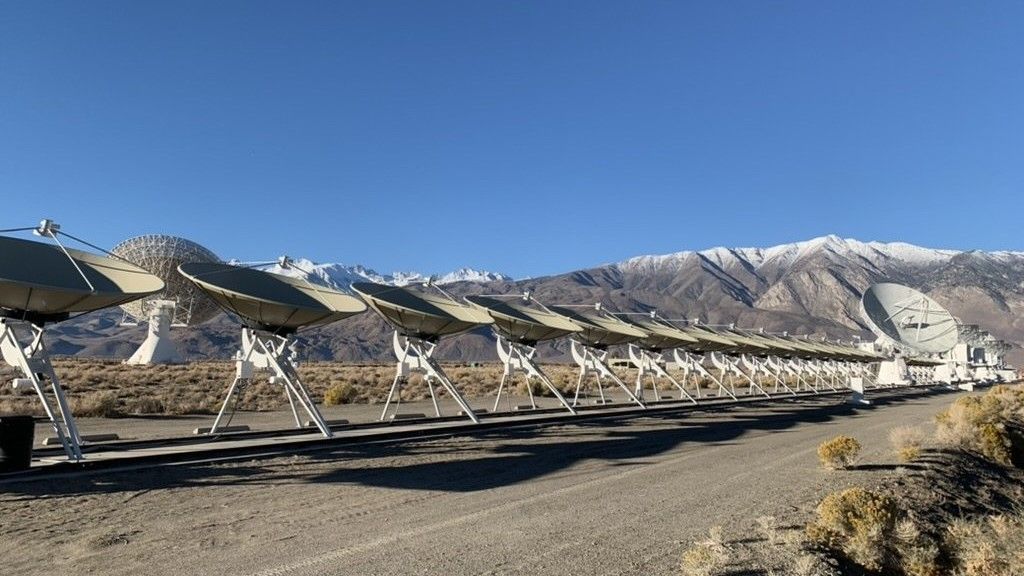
(608, 497)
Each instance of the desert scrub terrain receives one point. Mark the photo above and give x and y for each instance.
(108, 388)
(950, 502)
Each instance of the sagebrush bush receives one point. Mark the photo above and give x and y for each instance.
(839, 452)
(870, 530)
(906, 442)
(857, 522)
(343, 393)
(992, 425)
(992, 546)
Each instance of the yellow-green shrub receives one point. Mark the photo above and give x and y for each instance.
(342, 393)
(856, 522)
(839, 452)
(989, 424)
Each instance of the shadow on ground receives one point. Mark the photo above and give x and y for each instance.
(484, 460)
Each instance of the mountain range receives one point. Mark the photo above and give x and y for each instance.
(809, 287)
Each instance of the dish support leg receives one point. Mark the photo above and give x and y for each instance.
(33, 361)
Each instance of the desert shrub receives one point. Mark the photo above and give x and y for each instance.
(536, 386)
(906, 442)
(342, 393)
(870, 530)
(856, 522)
(839, 452)
(146, 406)
(96, 404)
(992, 546)
(992, 425)
(706, 557)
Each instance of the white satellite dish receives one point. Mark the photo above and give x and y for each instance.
(271, 307)
(43, 283)
(180, 303)
(909, 319)
(520, 322)
(420, 318)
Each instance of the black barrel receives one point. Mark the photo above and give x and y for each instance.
(16, 436)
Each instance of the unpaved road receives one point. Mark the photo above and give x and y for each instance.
(605, 497)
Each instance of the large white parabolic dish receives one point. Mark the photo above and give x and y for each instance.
(419, 314)
(272, 302)
(162, 254)
(909, 318)
(660, 335)
(40, 281)
(518, 321)
(600, 329)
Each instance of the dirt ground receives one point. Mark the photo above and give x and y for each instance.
(603, 497)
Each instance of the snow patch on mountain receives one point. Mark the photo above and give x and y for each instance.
(341, 275)
(789, 254)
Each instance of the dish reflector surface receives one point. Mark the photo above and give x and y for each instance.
(39, 279)
(162, 254)
(518, 321)
(271, 301)
(600, 329)
(909, 318)
(660, 336)
(419, 314)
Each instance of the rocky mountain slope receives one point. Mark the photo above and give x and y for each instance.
(804, 287)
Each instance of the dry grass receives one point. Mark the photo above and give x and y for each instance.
(907, 442)
(988, 546)
(839, 452)
(991, 424)
(199, 387)
(706, 557)
(769, 528)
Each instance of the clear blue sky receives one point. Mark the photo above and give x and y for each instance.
(522, 137)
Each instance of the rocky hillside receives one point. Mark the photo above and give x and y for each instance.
(804, 287)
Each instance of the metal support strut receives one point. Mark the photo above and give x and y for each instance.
(731, 366)
(519, 358)
(591, 360)
(270, 352)
(648, 363)
(690, 362)
(33, 361)
(416, 355)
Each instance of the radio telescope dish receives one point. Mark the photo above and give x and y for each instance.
(420, 314)
(161, 255)
(517, 321)
(268, 301)
(908, 318)
(519, 324)
(600, 329)
(180, 303)
(272, 307)
(41, 283)
(660, 334)
(420, 319)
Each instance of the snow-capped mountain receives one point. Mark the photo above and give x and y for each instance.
(341, 275)
(876, 253)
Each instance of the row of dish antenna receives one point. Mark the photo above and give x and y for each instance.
(172, 281)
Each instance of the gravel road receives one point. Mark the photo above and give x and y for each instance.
(602, 497)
